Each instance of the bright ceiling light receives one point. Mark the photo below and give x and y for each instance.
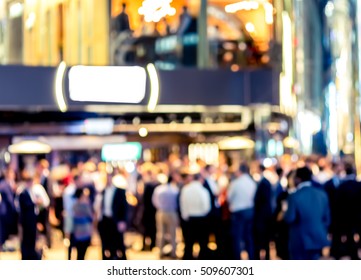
(143, 132)
(29, 147)
(290, 143)
(119, 182)
(250, 27)
(268, 7)
(16, 10)
(242, 6)
(236, 143)
(154, 10)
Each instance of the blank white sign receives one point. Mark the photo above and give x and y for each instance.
(109, 84)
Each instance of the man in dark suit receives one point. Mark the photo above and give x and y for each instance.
(112, 221)
(8, 215)
(43, 217)
(263, 217)
(149, 212)
(214, 216)
(121, 21)
(308, 216)
(28, 219)
(331, 187)
(349, 208)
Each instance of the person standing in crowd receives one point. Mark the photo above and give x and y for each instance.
(28, 211)
(325, 172)
(214, 216)
(240, 197)
(112, 217)
(263, 217)
(165, 200)
(226, 251)
(195, 205)
(8, 215)
(331, 187)
(184, 21)
(43, 216)
(281, 236)
(82, 223)
(349, 209)
(149, 211)
(2, 238)
(121, 21)
(68, 203)
(308, 225)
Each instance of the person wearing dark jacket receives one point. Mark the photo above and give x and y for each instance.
(8, 215)
(281, 235)
(113, 218)
(263, 218)
(28, 220)
(82, 222)
(149, 212)
(214, 216)
(308, 225)
(349, 211)
(331, 187)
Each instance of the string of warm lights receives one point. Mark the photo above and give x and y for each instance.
(155, 10)
(248, 5)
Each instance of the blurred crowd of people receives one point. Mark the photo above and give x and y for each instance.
(307, 209)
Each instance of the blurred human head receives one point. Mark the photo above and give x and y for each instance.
(302, 174)
(349, 168)
(27, 178)
(177, 177)
(82, 194)
(10, 174)
(279, 171)
(337, 167)
(208, 170)
(243, 169)
(78, 180)
(291, 179)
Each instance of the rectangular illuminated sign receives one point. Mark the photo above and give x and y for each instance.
(108, 84)
(122, 151)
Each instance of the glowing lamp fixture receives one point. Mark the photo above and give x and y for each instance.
(155, 10)
(290, 143)
(268, 12)
(242, 6)
(236, 143)
(249, 5)
(250, 27)
(143, 132)
(29, 147)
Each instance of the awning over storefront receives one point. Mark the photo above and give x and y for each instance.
(37, 88)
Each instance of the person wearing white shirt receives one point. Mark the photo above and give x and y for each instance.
(165, 200)
(195, 205)
(27, 206)
(240, 198)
